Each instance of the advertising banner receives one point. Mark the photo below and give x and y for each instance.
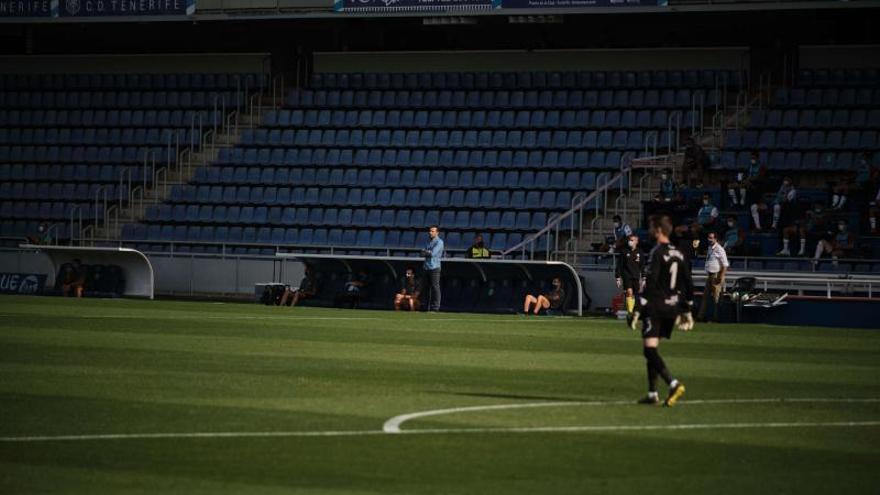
(411, 5)
(95, 8)
(22, 283)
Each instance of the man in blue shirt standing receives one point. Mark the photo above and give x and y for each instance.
(433, 252)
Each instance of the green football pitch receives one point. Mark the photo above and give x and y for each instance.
(109, 396)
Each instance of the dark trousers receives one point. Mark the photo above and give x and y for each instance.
(432, 282)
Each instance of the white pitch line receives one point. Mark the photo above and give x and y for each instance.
(393, 424)
(208, 434)
(437, 431)
(230, 317)
(686, 426)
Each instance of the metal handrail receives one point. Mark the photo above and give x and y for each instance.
(674, 117)
(76, 210)
(593, 197)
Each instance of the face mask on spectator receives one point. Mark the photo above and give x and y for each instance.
(616, 225)
(632, 244)
(706, 202)
(841, 227)
(731, 224)
(663, 176)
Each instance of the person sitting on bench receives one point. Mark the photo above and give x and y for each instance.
(548, 301)
(408, 296)
(307, 289)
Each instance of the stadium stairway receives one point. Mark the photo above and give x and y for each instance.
(86, 152)
(214, 141)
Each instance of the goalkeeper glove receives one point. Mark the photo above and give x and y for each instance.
(685, 321)
(634, 320)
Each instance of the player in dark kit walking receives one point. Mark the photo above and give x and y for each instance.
(664, 304)
(628, 272)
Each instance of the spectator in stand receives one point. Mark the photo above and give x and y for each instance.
(747, 182)
(874, 213)
(784, 198)
(860, 181)
(73, 279)
(716, 268)
(410, 288)
(308, 288)
(551, 300)
(706, 221)
(734, 238)
(43, 235)
(841, 244)
(668, 187)
(813, 224)
(478, 249)
(695, 162)
(620, 232)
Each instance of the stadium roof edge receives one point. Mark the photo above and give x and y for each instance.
(328, 13)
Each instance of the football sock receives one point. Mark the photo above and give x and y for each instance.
(873, 221)
(785, 244)
(834, 200)
(842, 202)
(652, 379)
(656, 361)
(630, 304)
(732, 195)
(673, 383)
(803, 245)
(818, 250)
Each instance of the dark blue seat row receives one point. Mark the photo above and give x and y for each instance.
(827, 97)
(46, 210)
(823, 119)
(338, 237)
(425, 158)
(344, 196)
(467, 119)
(486, 100)
(149, 82)
(70, 173)
(19, 229)
(109, 118)
(100, 137)
(56, 191)
(387, 138)
(81, 154)
(120, 99)
(839, 77)
(348, 217)
(392, 178)
(703, 78)
(796, 160)
(802, 140)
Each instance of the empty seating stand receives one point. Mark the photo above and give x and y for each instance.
(825, 122)
(66, 139)
(368, 161)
